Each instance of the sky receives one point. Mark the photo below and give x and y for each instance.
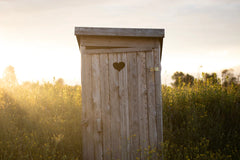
(37, 36)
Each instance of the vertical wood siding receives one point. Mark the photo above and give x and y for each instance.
(124, 110)
(142, 103)
(88, 123)
(96, 104)
(115, 109)
(151, 101)
(122, 107)
(158, 98)
(106, 110)
(133, 104)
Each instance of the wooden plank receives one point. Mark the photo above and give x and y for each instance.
(158, 99)
(106, 110)
(151, 101)
(129, 32)
(133, 105)
(84, 110)
(104, 41)
(117, 50)
(97, 107)
(142, 103)
(124, 115)
(87, 112)
(115, 110)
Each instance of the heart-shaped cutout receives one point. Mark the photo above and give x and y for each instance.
(119, 66)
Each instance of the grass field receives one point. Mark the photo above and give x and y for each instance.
(43, 121)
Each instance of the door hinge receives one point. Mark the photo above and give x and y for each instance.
(154, 69)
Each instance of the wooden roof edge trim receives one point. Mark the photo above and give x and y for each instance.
(121, 32)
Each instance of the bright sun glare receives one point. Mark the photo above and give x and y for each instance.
(40, 62)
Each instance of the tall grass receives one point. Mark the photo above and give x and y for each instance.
(43, 121)
(202, 121)
(40, 122)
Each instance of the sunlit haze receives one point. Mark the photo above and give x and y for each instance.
(37, 36)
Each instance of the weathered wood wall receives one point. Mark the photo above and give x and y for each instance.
(121, 109)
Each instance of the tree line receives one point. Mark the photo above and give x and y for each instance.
(227, 78)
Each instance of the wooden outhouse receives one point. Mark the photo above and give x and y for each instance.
(121, 92)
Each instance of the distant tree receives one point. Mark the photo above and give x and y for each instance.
(177, 77)
(211, 77)
(60, 82)
(9, 77)
(180, 78)
(188, 79)
(228, 77)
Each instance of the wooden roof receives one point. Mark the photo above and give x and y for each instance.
(122, 32)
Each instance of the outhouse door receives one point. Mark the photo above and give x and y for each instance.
(121, 96)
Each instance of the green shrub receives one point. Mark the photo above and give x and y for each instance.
(202, 121)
